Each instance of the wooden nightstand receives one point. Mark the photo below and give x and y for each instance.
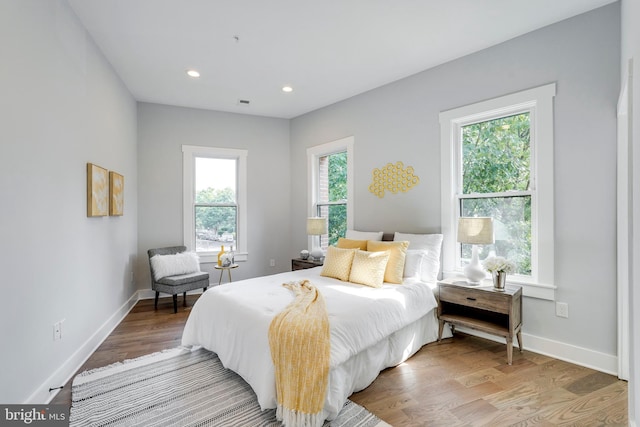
(301, 264)
(483, 309)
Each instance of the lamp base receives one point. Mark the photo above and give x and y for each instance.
(474, 271)
(316, 254)
(474, 275)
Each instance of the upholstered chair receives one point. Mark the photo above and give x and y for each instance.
(182, 282)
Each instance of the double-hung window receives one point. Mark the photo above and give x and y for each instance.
(330, 180)
(214, 201)
(498, 162)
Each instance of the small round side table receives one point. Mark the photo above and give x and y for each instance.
(228, 268)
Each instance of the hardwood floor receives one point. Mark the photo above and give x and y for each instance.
(463, 381)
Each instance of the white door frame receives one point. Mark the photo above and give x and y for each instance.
(624, 221)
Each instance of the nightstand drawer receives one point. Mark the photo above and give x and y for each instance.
(476, 298)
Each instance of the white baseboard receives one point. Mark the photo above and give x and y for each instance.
(150, 293)
(578, 355)
(65, 372)
(606, 363)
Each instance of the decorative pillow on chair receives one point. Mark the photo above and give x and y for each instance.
(364, 235)
(337, 263)
(351, 244)
(368, 268)
(175, 264)
(395, 265)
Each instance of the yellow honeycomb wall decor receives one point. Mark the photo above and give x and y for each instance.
(394, 178)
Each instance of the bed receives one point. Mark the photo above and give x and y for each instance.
(370, 328)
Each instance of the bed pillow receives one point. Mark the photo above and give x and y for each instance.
(364, 235)
(431, 245)
(175, 264)
(337, 263)
(413, 263)
(397, 253)
(368, 268)
(351, 244)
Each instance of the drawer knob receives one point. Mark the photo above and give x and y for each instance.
(471, 299)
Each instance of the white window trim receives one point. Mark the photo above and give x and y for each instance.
(313, 154)
(189, 154)
(539, 101)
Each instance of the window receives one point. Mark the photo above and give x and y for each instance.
(214, 201)
(495, 181)
(330, 192)
(498, 162)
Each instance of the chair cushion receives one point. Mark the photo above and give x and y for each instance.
(184, 278)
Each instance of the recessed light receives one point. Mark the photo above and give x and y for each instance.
(193, 73)
(287, 89)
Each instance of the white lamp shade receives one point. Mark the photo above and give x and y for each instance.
(316, 226)
(475, 230)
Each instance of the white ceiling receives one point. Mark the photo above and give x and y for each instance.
(327, 50)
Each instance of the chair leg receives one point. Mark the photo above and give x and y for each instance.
(184, 299)
(175, 303)
(156, 304)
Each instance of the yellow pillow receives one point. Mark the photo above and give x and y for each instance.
(337, 263)
(395, 265)
(352, 244)
(368, 268)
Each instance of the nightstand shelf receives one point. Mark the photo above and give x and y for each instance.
(301, 264)
(484, 309)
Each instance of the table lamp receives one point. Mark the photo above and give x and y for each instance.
(316, 226)
(475, 231)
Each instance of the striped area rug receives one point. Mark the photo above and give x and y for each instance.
(179, 388)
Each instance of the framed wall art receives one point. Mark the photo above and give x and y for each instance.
(116, 194)
(97, 191)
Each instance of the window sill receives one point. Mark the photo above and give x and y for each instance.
(529, 289)
(209, 258)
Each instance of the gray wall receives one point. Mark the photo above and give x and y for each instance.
(162, 130)
(61, 107)
(400, 122)
(630, 14)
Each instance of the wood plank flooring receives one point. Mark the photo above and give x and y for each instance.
(462, 381)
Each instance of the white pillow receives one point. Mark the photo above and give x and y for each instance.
(428, 261)
(413, 263)
(421, 241)
(175, 264)
(364, 235)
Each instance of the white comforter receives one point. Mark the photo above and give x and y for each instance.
(232, 320)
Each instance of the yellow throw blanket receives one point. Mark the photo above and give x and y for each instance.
(300, 349)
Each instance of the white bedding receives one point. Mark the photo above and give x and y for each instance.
(371, 329)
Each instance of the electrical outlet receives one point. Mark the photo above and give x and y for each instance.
(272, 263)
(562, 309)
(57, 331)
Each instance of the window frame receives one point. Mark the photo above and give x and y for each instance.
(539, 103)
(313, 169)
(189, 155)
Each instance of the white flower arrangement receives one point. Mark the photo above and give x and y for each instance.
(498, 263)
